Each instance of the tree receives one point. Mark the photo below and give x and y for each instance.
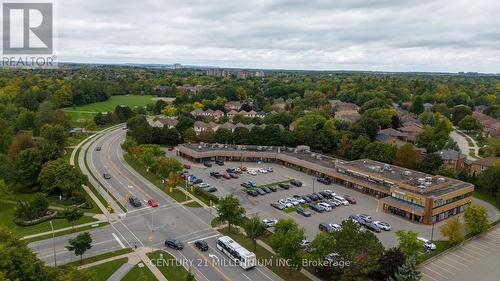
(190, 136)
(28, 165)
(453, 230)
(254, 228)
(358, 146)
(4, 189)
(170, 110)
(459, 112)
(207, 136)
(89, 125)
(54, 134)
(417, 106)
(72, 214)
(429, 163)
(476, 219)
(379, 151)
(389, 263)
(6, 134)
(407, 157)
(469, 123)
(408, 271)
(139, 129)
(408, 243)
(60, 176)
(489, 180)
(286, 242)
(230, 210)
(168, 166)
(223, 136)
(80, 244)
(40, 204)
(20, 142)
(189, 277)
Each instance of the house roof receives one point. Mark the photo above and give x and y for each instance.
(392, 132)
(450, 154)
(226, 125)
(487, 162)
(169, 121)
(232, 112)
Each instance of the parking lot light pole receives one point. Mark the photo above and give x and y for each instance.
(314, 179)
(53, 242)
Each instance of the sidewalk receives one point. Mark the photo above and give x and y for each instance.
(64, 229)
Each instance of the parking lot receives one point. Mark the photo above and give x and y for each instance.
(260, 205)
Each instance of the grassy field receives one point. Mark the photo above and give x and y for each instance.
(139, 274)
(103, 271)
(193, 204)
(89, 110)
(7, 221)
(488, 198)
(168, 267)
(102, 257)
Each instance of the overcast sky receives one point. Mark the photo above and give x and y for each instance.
(386, 35)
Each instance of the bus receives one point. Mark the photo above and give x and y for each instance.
(241, 256)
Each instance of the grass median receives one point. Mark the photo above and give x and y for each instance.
(102, 257)
(102, 272)
(169, 267)
(139, 273)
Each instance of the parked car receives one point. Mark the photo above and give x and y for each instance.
(331, 257)
(324, 180)
(219, 162)
(320, 197)
(284, 202)
(273, 188)
(284, 186)
(330, 203)
(197, 181)
(303, 211)
(134, 201)
(263, 171)
(326, 206)
(207, 164)
(326, 194)
(330, 192)
(305, 243)
(428, 245)
(243, 168)
(253, 193)
(260, 191)
(313, 197)
(341, 199)
(202, 245)
(106, 176)
(266, 189)
(270, 170)
(203, 185)
(98, 148)
(382, 225)
(233, 175)
(216, 175)
(252, 172)
(152, 203)
(356, 218)
(326, 227)
(350, 199)
(365, 217)
(335, 227)
(269, 222)
(226, 176)
(306, 198)
(296, 183)
(278, 205)
(186, 166)
(211, 189)
(174, 244)
(317, 208)
(371, 226)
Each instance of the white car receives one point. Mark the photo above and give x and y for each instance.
(252, 172)
(341, 200)
(331, 257)
(330, 192)
(269, 222)
(203, 185)
(335, 226)
(284, 202)
(304, 243)
(382, 225)
(428, 245)
(293, 201)
(327, 207)
(263, 171)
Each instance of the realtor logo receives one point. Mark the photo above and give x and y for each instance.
(27, 28)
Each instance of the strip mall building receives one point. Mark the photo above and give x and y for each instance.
(416, 196)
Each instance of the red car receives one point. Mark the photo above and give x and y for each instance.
(152, 203)
(349, 199)
(243, 168)
(226, 176)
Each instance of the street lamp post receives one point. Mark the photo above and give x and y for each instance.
(314, 179)
(53, 242)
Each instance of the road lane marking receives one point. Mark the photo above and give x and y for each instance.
(259, 270)
(246, 276)
(209, 263)
(204, 238)
(118, 240)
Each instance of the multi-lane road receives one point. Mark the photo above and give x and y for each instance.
(145, 226)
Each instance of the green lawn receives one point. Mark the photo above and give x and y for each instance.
(7, 221)
(65, 232)
(441, 245)
(139, 274)
(263, 254)
(487, 198)
(176, 194)
(103, 271)
(293, 209)
(193, 204)
(168, 267)
(102, 257)
(89, 110)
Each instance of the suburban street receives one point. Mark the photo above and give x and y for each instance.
(476, 259)
(146, 226)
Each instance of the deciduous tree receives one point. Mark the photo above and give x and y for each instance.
(230, 210)
(453, 229)
(254, 229)
(80, 244)
(476, 218)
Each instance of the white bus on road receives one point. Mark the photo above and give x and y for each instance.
(236, 252)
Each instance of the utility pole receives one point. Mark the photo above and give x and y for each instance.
(314, 179)
(53, 243)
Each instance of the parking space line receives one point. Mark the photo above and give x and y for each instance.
(489, 243)
(454, 260)
(444, 276)
(485, 247)
(447, 264)
(430, 277)
(477, 248)
(462, 251)
(460, 257)
(440, 267)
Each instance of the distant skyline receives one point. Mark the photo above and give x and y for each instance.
(383, 35)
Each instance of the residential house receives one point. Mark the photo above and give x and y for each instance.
(231, 114)
(279, 106)
(480, 165)
(428, 106)
(261, 114)
(351, 115)
(345, 110)
(409, 118)
(200, 126)
(162, 122)
(292, 126)
(259, 73)
(216, 114)
(249, 114)
(491, 126)
(412, 130)
(232, 105)
(452, 159)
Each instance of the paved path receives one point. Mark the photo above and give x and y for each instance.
(476, 259)
(64, 229)
(463, 144)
